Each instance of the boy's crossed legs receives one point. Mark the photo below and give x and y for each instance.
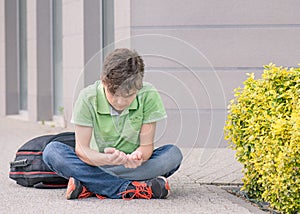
(146, 181)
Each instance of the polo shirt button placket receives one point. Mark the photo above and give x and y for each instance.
(119, 122)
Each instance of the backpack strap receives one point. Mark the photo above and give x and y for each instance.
(67, 138)
(63, 134)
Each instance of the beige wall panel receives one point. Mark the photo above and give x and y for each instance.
(2, 54)
(73, 52)
(192, 129)
(31, 25)
(2, 58)
(214, 12)
(201, 90)
(229, 47)
(32, 60)
(73, 83)
(2, 22)
(31, 54)
(72, 17)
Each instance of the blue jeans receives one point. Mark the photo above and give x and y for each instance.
(109, 181)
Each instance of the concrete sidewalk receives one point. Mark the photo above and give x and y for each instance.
(196, 187)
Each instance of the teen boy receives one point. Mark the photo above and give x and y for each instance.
(115, 121)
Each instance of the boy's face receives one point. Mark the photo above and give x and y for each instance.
(120, 100)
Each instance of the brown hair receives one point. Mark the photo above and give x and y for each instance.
(123, 69)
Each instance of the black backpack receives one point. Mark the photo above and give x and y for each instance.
(29, 169)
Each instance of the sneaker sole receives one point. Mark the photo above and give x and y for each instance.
(72, 190)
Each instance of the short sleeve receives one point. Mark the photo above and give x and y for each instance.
(154, 109)
(82, 112)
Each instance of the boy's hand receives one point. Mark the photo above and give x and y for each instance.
(136, 155)
(134, 160)
(115, 157)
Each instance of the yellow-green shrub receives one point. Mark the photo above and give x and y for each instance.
(263, 126)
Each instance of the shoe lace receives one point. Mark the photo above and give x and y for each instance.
(141, 190)
(85, 193)
(100, 197)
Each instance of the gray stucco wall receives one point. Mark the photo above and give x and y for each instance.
(232, 38)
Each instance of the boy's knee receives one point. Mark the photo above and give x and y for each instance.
(50, 151)
(176, 153)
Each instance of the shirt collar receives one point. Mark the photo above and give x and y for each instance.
(103, 106)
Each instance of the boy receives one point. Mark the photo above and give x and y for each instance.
(115, 121)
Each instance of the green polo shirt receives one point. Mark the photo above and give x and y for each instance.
(111, 129)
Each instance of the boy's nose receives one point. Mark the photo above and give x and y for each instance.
(120, 101)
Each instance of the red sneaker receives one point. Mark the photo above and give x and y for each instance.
(76, 190)
(154, 188)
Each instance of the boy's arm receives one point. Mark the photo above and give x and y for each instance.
(110, 156)
(145, 150)
(147, 140)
